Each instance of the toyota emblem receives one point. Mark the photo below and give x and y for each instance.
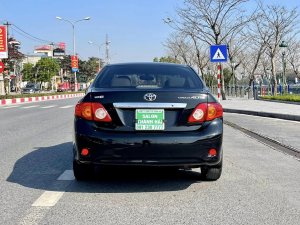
(150, 97)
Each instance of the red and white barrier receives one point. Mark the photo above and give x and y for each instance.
(38, 99)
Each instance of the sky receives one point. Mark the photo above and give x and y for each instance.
(135, 28)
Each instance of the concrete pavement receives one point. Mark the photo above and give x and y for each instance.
(262, 108)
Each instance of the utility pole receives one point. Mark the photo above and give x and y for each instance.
(107, 42)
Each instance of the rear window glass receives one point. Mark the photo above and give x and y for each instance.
(148, 77)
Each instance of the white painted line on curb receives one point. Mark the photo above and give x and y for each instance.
(67, 175)
(32, 106)
(48, 198)
(47, 107)
(66, 107)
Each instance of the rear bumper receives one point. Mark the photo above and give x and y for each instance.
(180, 149)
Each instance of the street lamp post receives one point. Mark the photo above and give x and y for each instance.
(99, 51)
(74, 44)
(283, 45)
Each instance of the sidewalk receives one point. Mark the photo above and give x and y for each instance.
(262, 108)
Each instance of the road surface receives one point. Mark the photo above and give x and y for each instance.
(259, 185)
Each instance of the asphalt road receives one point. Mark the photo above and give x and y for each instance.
(259, 185)
(284, 131)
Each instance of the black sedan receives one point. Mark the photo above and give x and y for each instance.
(148, 114)
(30, 89)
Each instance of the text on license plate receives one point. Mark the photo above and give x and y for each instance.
(150, 119)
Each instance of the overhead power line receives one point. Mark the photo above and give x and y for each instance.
(28, 35)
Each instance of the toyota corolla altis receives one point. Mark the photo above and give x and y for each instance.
(148, 114)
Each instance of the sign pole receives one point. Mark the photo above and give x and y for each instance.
(219, 81)
(218, 54)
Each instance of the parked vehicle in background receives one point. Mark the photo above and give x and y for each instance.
(62, 87)
(68, 86)
(73, 86)
(148, 114)
(31, 88)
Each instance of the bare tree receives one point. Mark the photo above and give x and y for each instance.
(212, 21)
(276, 23)
(202, 58)
(293, 56)
(237, 44)
(179, 46)
(257, 39)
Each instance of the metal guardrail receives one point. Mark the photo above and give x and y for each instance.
(257, 90)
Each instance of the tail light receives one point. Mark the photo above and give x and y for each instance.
(206, 112)
(92, 111)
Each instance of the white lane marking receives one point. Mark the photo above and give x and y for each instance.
(47, 107)
(48, 198)
(9, 107)
(66, 107)
(32, 106)
(67, 175)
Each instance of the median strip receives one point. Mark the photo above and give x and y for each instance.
(39, 98)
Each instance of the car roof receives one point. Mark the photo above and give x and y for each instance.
(147, 64)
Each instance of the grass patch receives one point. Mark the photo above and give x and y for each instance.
(36, 94)
(289, 98)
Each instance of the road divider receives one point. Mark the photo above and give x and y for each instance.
(39, 98)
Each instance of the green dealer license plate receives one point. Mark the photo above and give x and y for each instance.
(149, 119)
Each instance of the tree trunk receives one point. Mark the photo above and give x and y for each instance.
(274, 74)
(250, 88)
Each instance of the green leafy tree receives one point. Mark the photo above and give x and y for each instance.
(210, 80)
(167, 59)
(28, 72)
(45, 69)
(65, 64)
(155, 59)
(227, 73)
(88, 69)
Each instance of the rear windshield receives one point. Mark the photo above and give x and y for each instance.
(148, 77)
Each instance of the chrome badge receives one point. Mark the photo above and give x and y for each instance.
(150, 97)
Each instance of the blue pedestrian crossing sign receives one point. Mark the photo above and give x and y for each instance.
(218, 53)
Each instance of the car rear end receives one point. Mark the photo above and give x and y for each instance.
(148, 114)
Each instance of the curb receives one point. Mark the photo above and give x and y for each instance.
(264, 114)
(279, 101)
(38, 98)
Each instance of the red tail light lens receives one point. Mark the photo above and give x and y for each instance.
(206, 112)
(212, 152)
(84, 152)
(92, 111)
(199, 114)
(100, 113)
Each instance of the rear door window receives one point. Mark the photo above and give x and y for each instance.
(148, 77)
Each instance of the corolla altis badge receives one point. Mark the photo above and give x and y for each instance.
(150, 97)
(101, 96)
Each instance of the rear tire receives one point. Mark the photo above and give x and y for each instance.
(82, 171)
(211, 173)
